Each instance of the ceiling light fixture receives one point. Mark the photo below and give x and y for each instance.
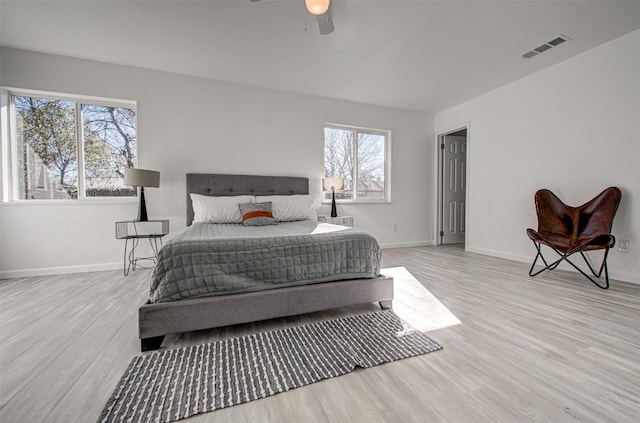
(317, 7)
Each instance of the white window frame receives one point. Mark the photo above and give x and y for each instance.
(387, 163)
(8, 159)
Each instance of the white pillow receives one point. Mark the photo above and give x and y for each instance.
(210, 209)
(289, 208)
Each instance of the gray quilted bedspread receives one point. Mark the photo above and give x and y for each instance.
(214, 259)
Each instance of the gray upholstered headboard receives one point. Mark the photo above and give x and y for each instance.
(225, 185)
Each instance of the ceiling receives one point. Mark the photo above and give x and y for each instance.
(412, 55)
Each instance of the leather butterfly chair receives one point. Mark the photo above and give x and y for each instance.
(570, 230)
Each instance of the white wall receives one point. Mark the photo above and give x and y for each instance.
(573, 128)
(188, 124)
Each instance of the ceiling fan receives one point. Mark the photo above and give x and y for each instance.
(321, 9)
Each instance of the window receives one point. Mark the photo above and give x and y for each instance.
(66, 148)
(361, 157)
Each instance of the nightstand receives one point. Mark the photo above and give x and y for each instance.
(134, 231)
(340, 220)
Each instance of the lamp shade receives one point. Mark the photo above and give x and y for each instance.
(141, 178)
(317, 7)
(332, 184)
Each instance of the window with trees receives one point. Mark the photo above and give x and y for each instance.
(66, 148)
(361, 157)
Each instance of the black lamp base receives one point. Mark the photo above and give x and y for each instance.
(334, 210)
(142, 210)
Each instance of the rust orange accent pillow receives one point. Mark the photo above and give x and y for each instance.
(257, 214)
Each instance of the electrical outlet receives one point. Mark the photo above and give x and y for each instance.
(624, 245)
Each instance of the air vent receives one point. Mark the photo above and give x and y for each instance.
(557, 41)
(546, 46)
(543, 48)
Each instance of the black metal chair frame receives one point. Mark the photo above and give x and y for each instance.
(565, 257)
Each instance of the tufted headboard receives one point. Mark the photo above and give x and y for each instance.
(226, 185)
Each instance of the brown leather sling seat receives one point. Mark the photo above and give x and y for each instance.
(569, 230)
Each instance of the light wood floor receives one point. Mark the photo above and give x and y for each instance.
(549, 349)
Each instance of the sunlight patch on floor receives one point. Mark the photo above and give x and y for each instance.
(415, 304)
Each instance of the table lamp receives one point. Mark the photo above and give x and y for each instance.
(142, 178)
(332, 184)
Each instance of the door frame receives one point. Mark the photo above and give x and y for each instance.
(438, 179)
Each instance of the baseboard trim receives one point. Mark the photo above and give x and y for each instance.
(406, 244)
(624, 277)
(499, 254)
(59, 270)
(46, 271)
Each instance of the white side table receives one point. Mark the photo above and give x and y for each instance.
(134, 231)
(340, 220)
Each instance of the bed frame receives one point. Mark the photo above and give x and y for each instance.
(155, 320)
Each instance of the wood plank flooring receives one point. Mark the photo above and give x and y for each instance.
(516, 349)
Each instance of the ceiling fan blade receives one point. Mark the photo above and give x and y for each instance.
(325, 22)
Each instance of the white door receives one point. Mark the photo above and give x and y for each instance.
(453, 189)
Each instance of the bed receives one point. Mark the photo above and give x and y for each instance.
(297, 285)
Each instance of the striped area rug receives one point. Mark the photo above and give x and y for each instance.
(175, 384)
